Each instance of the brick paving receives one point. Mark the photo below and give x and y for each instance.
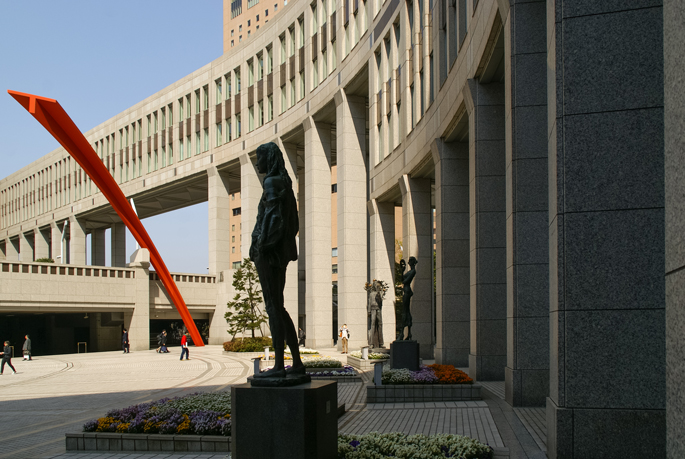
(54, 395)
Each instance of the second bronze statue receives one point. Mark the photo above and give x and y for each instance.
(273, 247)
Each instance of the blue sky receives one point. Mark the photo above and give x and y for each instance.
(97, 59)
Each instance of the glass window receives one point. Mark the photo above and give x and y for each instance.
(238, 126)
(188, 106)
(206, 139)
(302, 86)
(315, 22)
(163, 120)
(198, 144)
(335, 268)
(269, 60)
(250, 73)
(205, 98)
(156, 160)
(250, 119)
(270, 108)
(260, 66)
(163, 156)
(218, 91)
(228, 130)
(228, 84)
(180, 150)
(219, 136)
(155, 124)
(334, 252)
(197, 101)
(237, 80)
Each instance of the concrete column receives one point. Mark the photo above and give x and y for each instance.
(452, 259)
(138, 321)
(608, 373)
(12, 249)
(674, 113)
(118, 245)
(351, 157)
(319, 294)
(417, 239)
(56, 245)
(250, 194)
(291, 290)
(382, 259)
(219, 212)
(42, 244)
(527, 370)
(302, 256)
(488, 349)
(26, 242)
(77, 241)
(97, 247)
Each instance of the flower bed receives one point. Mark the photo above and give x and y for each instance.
(303, 351)
(401, 446)
(431, 374)
(193, 414)
(372, 355)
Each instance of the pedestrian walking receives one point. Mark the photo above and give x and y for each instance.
(184, 346)
(125, 343)
(344, 334)
(161, 340)
(27, 348)
(7, 358)
(301, 335)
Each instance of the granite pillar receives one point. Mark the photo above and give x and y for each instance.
(417, 238)
(319, 294)
(12, 249)
(606, 231)
(290, 292)
(527, 371)
(42, 243)
(382, 259)
(219, 211)
(97, 247)
(118, 245)
(56, 243)
(488, 349)
(674, 139)
(26, 244)
(138, 321)
(452, 259)
(350, 125)
(77, 241)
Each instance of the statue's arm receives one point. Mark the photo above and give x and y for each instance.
(271, 231)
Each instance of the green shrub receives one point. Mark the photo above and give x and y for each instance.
(45, 260)
(401, 446)
(255, 344)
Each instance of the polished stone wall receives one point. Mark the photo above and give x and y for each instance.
(606, 217)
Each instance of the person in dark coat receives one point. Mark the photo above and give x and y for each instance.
(124, 342)
(161, 340)
(7, 358)
(27, 348)
(301, 335)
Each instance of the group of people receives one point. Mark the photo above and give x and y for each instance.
(161, 341)
(7, 354)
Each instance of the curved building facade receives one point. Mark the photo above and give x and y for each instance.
(522, 141)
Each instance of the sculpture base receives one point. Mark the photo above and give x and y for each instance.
(299, 422)
(404, 354)
(288, 381)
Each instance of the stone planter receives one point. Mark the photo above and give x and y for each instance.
(243, 355)
(401, 393)
(108, 441)
(364, 365)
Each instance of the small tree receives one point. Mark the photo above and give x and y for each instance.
(245, 313)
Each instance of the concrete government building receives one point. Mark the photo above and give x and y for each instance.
(538, 144)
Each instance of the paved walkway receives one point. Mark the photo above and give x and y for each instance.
(54, 395)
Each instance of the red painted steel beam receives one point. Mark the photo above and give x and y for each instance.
(55, 119)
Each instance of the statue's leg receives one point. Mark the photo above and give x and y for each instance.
(379, 324)
(269, 290)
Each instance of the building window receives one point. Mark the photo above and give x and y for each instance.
(233, 249)
(335, 269)
(231, 42)
(266, 13)
(236, 212)
(180, 150)
(257, 18)
(236, 72)
(334, 252)
(250, 119)
(218, 91)
(275, 7)
(248, 23)
(232, 30)
(219, 136)
(232, 226)
(206, 138)
(238, 126)
(198, 144)
(270, 108)
(334, 188)
(189, 151)
(228, 131)
(236, 265)
(269, 60)
(232, 238)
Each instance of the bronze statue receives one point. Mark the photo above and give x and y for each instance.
(374, 309)
(273, 247)
(407, 278)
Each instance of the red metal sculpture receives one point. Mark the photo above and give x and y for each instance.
(52, 116)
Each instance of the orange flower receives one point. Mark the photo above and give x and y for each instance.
(447, 374)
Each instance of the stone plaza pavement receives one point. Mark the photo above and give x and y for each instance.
(53, 395)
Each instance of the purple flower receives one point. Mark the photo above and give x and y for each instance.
(354, 444)
(90, 426)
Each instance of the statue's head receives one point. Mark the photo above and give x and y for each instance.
(269, 159)
(412, 262)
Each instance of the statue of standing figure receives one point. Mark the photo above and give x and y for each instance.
(407, 279)
(273, 247)
(374, 309)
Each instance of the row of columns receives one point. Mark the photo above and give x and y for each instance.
(315, 221)
(69, 243)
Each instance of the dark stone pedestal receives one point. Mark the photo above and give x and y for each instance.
(404, 354)
(299, 422)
